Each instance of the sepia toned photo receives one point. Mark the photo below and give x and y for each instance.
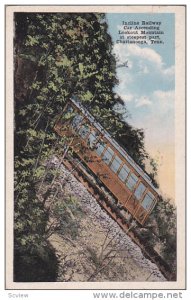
(95, 131)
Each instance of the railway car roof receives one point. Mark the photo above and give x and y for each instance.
(113, 142)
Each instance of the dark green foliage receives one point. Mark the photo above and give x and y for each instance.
(70, 54)
(69, 213)
(37, 266)
(164, 215)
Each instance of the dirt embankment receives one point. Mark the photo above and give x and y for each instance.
(96, 248)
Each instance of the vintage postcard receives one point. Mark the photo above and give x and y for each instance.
(95, 147)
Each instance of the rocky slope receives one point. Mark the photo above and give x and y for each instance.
(96, 248)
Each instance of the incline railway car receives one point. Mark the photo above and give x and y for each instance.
(108, 161)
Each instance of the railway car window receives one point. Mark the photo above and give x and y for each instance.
(100, 148)
(69, 109)
(124, 173)
(92, 139)
(139, 191)
(132, 180)
(147, 201)
(83, 131)
(77, 121)
(116, 164)
(108, 155)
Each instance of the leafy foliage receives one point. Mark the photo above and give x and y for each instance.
(165, 214)
(164, 230)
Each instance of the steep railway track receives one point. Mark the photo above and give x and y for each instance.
(105, 202)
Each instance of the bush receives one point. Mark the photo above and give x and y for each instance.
(39, 265)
